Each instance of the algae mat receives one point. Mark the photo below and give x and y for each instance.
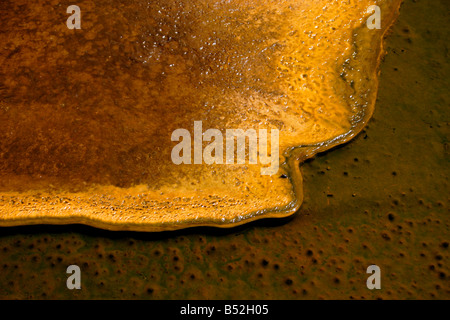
(91, 117)
(381, 199)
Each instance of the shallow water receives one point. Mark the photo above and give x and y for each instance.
(377, 200)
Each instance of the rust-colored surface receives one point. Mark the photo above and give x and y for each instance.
(381, 199)
(87, 115)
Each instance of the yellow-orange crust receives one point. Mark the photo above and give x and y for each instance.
(86, 115)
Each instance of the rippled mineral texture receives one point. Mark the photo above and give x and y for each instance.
(87, 115)
(381, 199)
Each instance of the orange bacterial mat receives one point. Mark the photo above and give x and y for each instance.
(89, 117)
